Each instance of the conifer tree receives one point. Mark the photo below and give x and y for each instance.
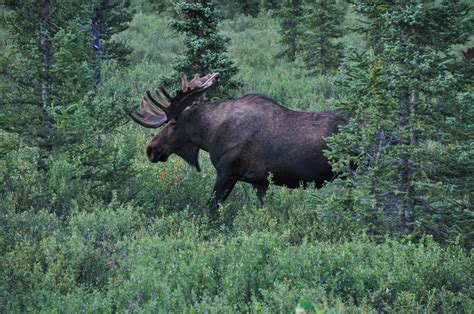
(249, 7)
(252, 8)
(206, 50)
(49, 104)
(290, 16)
(108, 18)
(48, 44)
(411, 123)
(54, 60)
(322, 26)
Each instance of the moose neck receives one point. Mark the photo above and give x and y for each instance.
(204, 121)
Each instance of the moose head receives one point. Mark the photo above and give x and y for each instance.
(172, 112)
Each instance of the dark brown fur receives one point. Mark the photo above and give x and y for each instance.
(247, 139)
(469, 53)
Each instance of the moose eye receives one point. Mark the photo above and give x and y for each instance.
(174, 126)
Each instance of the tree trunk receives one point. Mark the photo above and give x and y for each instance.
(405, 198)
(45, 51)
(293, 41)
(96, 46)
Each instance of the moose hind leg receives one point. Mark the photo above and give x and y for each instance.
(222, 188)
(260, 190)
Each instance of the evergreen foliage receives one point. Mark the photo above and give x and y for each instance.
(248, 7)
(408, 105)
(113, 17)
(52, 106)
(206, 49)
(321, 29)
(48, 42)
(290, 15)
(251, 8)
(109, 18)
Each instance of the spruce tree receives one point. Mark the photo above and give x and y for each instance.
(50, 105)
(47, 59)
(249, 7)
(108, 18)
(411, 125)
(54, 59)
(290, 16)
(322, 26)
(205, 50)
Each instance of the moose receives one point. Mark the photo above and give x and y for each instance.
(247, 138)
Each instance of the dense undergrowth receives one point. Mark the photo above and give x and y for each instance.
(120, 259)
(144, 242)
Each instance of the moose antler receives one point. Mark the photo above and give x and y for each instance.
(175, 105)
(150, 116)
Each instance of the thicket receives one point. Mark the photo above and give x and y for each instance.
(408, 103)
(95, 227)
(117, 259)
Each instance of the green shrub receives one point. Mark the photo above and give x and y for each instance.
(20, 181)
(46, 263)
(262, 272)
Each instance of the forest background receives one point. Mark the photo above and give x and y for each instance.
(88, 224)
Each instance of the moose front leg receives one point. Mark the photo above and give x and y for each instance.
(222, 188)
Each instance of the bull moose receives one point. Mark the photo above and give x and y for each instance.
(247, 138)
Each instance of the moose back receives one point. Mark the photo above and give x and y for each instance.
(247, 138)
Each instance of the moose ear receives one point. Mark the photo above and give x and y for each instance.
(190, 154)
